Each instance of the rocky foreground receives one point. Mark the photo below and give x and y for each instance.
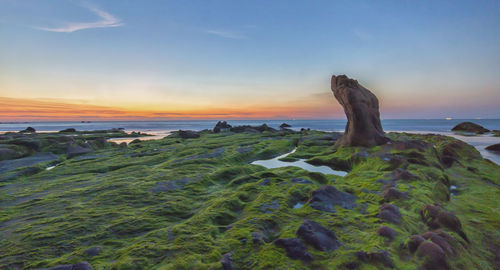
(193, 201)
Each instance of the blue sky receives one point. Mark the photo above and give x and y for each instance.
(429, 59)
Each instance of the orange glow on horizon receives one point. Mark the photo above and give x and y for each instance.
(14, 109)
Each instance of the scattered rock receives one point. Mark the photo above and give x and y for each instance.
(494, 147)
(414, 242)
(68, 130)
(75, 150)
(327, 197)
(294, 248)
(361, 108)
(440, 241)
(318, 236)
(227, 262)
(390, 213)
(9, 165)
(436, 217)
(387, 232)
(187, 134)
(28, 130)
(382, 257)
(285, 126)
(93, 251)
(434, 255)
(222, 126)
(470, 127)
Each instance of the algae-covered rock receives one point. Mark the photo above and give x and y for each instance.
(327, 197)
(318, 236)
(494, 147)
(294, 248)
(433, 255)
(436, 216)
(470, 127)
(390, 213)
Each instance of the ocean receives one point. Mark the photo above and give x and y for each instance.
(163, 128)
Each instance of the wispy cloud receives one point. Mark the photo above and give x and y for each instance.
(227, 34)
(106, 20)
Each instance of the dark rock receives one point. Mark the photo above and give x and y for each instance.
(390, 213)
(327, 197)
(265, 182)
(386, 231)
(470, 127)
(227, 262)
(30, 143)
(494, 147)
(187, 134)
(135, 141)
(361, 108)
(222, 126)
(68, 130)
(414, 242)
(392, 194)
(434, 256)
(436, 217)
(440, 241)
(252, 129)
(244, 150)
(28, 130)
(383, 257)
(93, 251)
(318, 236)
(294, 248)
(285, 126)
(75, 150)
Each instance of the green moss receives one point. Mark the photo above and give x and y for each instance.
(182, 203)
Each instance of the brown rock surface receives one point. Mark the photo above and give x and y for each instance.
(361, 108)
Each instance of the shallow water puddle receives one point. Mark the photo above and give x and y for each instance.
(301, 163)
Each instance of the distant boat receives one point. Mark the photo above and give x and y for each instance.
(448, 118)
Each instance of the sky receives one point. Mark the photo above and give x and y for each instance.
(260, 59)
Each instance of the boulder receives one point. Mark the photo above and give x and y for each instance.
(222, 126)
(414, 242)
(28, 130)
(383, 257)
(187, 134)
(390, 213)
(436, 217)
(361, 108)
(326, 197)
(318, 236)
(285, 126)
(434, 256)
(392, 194)
(470, 127)
(68, 130)
(387, 232)
(74, 150)
(494, 147)
(294, 249)
(227, 262)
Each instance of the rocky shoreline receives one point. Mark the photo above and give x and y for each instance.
(193, 200)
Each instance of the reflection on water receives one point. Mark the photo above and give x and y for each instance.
(276, 163)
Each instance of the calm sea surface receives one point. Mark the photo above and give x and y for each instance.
(163, 128)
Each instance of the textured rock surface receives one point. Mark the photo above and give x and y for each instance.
(327, 197)
(361, 108)
(294, 248)
(470, 127)
(318, 236)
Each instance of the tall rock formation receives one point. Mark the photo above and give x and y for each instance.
(361, 108)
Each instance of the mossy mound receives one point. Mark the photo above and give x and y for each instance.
(198, 203)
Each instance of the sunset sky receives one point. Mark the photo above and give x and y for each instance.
(72, 60)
